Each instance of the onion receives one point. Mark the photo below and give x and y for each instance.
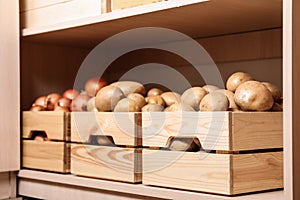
(71, 94)
(63, 102)
(93, 85)
(60, 108)
(40, 101)
(36, 108)
(80, 103)
(51, 100)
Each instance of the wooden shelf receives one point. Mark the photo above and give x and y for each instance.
(51, 186)
(196, 18)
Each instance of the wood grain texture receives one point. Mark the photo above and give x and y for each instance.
(211, 128)
(50, 156)
(114, 163)
(123, 4)
(187, 170)
(257, 172)
(26, 5)
(216, 173)
(10, 85)
(55, 124)
(257, 130)
(60, 12)
(176, 14)
(4, 185)
(124, 127)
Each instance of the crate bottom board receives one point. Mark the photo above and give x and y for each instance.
(104, 162)
(49, 156)
(225, 174)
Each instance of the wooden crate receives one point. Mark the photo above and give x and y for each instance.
(125, 128)
(52, 155)
(37, 13)
(107, 162)
(112, 5)
(246, 151)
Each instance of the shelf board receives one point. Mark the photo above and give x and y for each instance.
(196, 18)
(45, 180)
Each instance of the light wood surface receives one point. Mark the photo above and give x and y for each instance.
(50, 156)
(4, 185)
(256, 172)
(125, 128)
(215, 130)
(55, 124)
(123, 4)
(43, 15)
(113, 163)
(34, 4)
(176, 14)
(41, 185)
(10, 85)
(215, 173)
(251, 130)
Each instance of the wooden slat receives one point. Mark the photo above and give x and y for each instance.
(187, 170)
(4, 185)
(53, 123)
(257, 172)
(257, 130)
(60, 12)
(10, 85)
(123, 4)
(112, 163)
(26, 5)
(121, 126)
(48, 156)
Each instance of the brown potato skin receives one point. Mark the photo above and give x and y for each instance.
(171, 98)
(156, 100)
(253, 96)
(210, 88)
(215, 101)
(236, 79)
(230, 97)
(275, 91)
(127, 105)
(138, 98)
(108, 97)
(193, 97)
(152, 108)
(129, 87)
(179, 107)
(154, 91)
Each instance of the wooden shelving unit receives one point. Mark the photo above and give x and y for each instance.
(198, 19)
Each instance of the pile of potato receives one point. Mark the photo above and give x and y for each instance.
(243, 93)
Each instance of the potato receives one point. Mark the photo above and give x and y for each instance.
(230, 97)
(108, 97)
(215, 101)
(156, 100)
(276, 107)
(129, 87)
(127, 105)
(91, 106)
(236, 79)
(193, 97)
(154, 91)
(179, 107)
(275, 91)
(253, 95)
(152, 108)
(184, 144)
(138, 98)
(210, 88)
(170, 98)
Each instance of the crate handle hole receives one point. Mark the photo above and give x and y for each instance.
(102, 140)
(179, 143)
(39, 136)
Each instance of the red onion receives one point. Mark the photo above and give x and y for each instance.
(71, 94)
(80, 103)
(51, 100)
(63, 102)
(36, 108)
(93, 85)
(40, 101)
